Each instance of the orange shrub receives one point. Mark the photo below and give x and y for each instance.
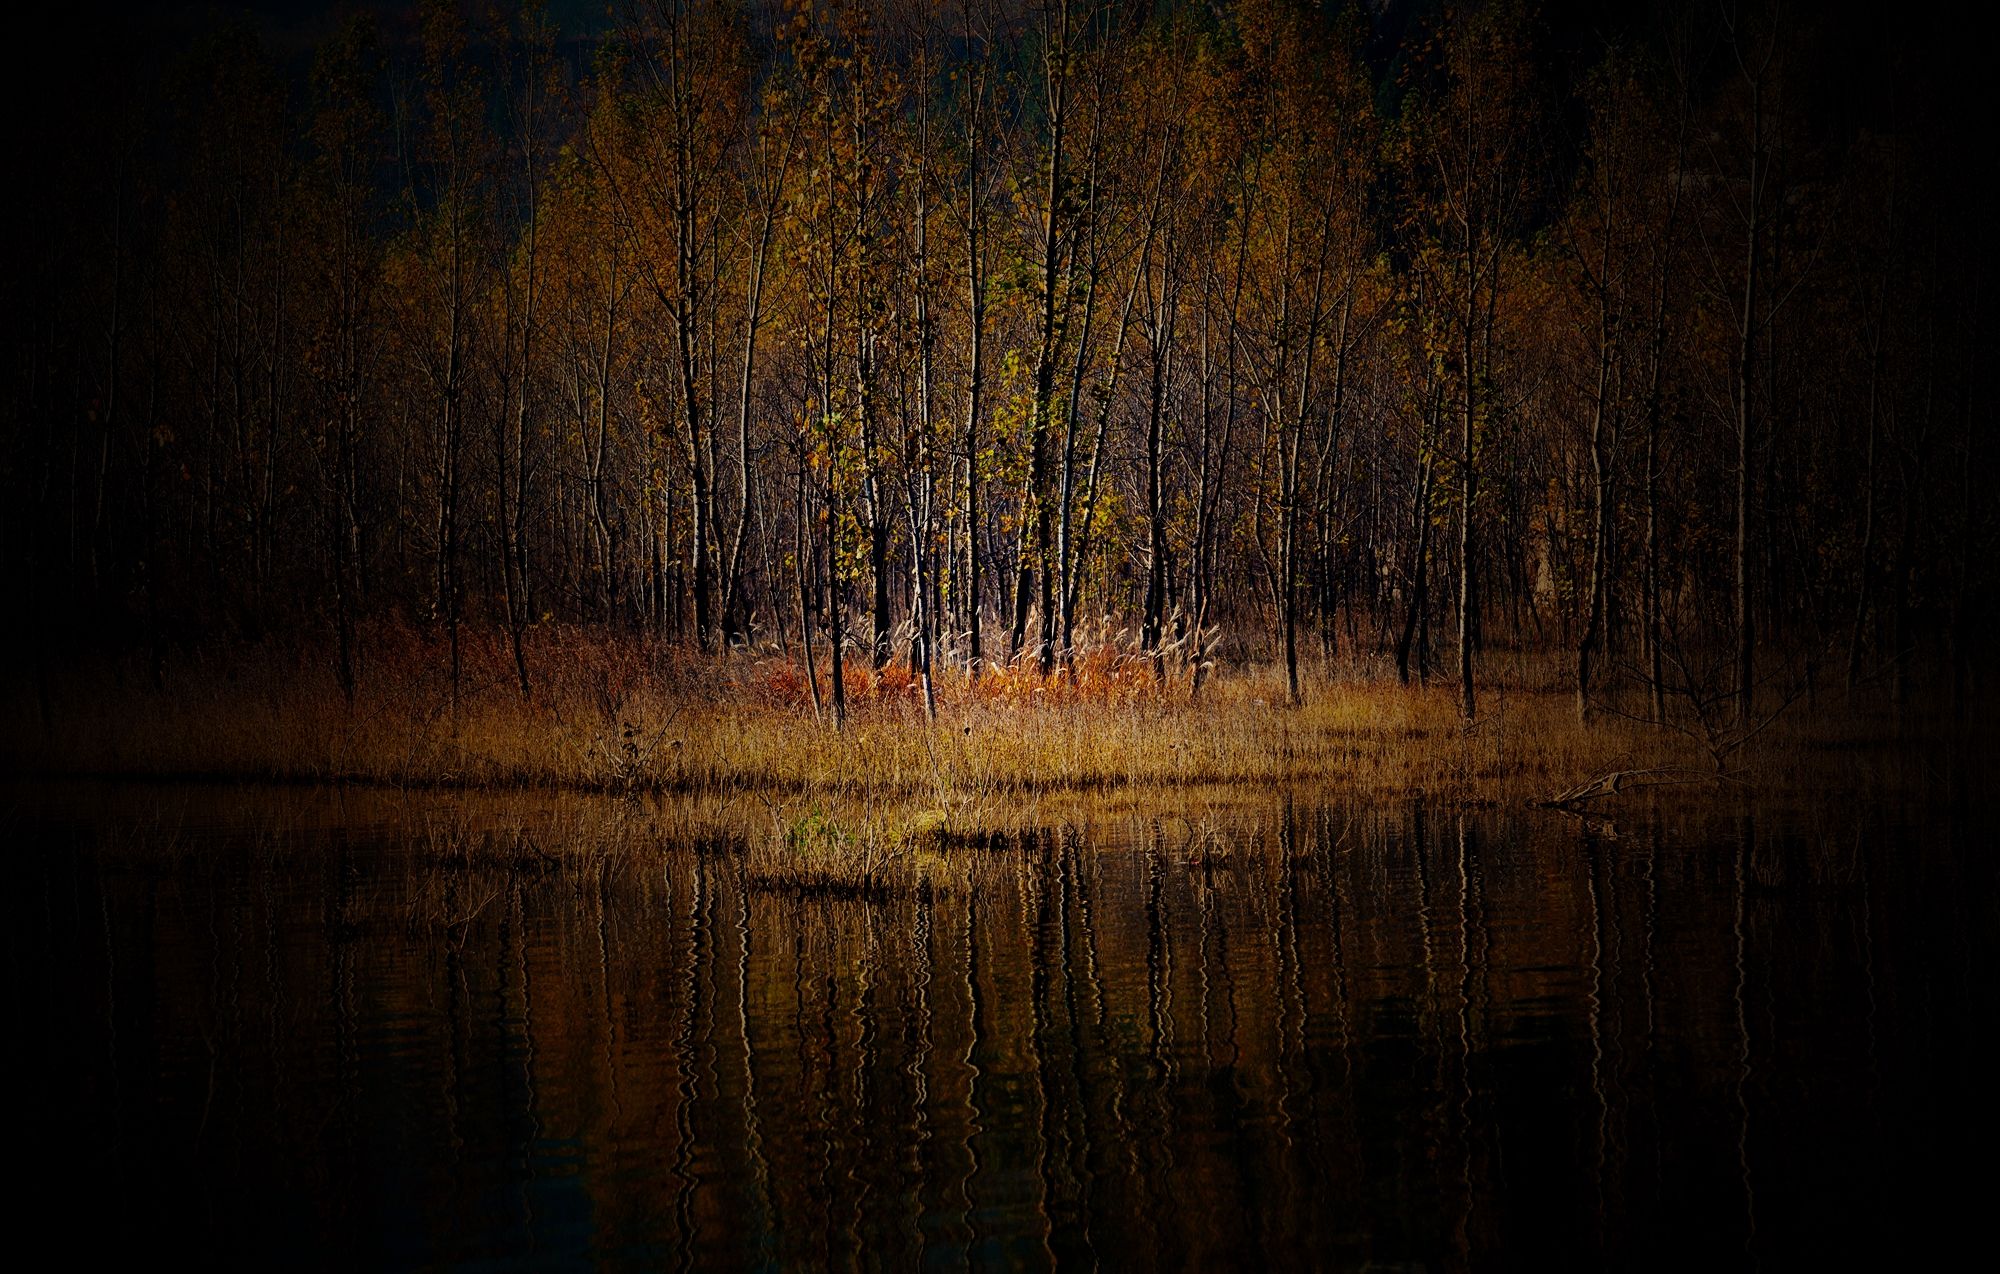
(1098, 673)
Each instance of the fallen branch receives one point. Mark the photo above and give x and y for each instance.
(1620, 780)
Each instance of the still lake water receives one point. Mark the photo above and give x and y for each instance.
(319, 1029)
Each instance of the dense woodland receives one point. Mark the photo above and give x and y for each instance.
(946, 334)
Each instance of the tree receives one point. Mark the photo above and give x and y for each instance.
(1463, 161)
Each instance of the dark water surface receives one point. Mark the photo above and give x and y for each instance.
(316, 1031)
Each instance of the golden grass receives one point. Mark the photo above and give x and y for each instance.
(609, 717)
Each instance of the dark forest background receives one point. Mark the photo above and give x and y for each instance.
(1658, 336)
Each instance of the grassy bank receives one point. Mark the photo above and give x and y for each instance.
(617, 718)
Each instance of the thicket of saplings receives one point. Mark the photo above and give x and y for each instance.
(998, 397)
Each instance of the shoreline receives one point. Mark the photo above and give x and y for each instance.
(736, 727)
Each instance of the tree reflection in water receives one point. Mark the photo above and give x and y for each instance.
(1287, 1036)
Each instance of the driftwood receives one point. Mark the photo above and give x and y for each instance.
(1621, 780)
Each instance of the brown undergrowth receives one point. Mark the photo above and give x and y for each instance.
(623, 717)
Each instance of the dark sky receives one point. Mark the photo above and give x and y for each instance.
(1868, 56)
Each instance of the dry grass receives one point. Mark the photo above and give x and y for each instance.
(609, 717)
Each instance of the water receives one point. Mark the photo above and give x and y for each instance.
(308, 1029)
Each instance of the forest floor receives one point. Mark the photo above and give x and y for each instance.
(603, 717)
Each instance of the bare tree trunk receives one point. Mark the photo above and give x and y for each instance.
(1864, 571)
(975, 296)
(1055, 61)
(1156, 518)
(873, 503)
(1419, 599)
(1656, 666)
(837, 632)
(1745, 391)
(685, 310)
(736, 623)
(802, 552)
(1600, 503)
(1468, 601)
(925, 478)
(513, 506)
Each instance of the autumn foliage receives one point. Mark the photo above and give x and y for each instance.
(1010, 351)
